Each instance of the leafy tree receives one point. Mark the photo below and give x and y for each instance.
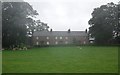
(32, 26)
(117, 38)
(36, 26)
(18, 23)
(104, 23)
(0, 26)
(15, 17)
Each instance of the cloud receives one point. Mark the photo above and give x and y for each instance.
(65, 14)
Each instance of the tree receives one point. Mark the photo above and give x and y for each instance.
(35, 25)
(117, 38)
(18, 23)
(15, 17)
(0, 26)
(104, 23)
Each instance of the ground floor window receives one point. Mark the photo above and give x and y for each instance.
(37, 43)
(66, 42)
(91, 41)
(56, 42)
(48, 43)
(84, 42)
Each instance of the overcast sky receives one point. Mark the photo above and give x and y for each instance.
(61, 15)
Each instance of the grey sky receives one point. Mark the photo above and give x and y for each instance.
(64, 14)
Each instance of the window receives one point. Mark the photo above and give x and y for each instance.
(84, 42)
(47, 38)
(66, 37)
(60, 37)
(37, 43)
(55, 37)
(37, 38)
(48, 43)
(56, 42)
(91, 41)
(66, 42)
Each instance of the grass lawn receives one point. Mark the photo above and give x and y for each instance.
(84, 59)
(0, 62)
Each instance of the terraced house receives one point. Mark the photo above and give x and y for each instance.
(60, 37)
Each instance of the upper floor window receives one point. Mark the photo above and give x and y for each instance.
(47, 38)
(55, 37)
(37, 38)
(60, 37)
(66, 37)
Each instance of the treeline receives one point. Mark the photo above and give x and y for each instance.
(19, 24)
(105, 24)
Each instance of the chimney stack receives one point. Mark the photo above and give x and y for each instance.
(86, 31)
(50, 30)
(68, 30)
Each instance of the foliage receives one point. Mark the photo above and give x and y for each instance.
(14, 18)
(18, 21)
(35, 26)
(104, 23)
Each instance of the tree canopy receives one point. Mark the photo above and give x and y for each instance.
(17, 21)
(104, 24)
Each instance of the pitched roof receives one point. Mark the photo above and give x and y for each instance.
(60, 33)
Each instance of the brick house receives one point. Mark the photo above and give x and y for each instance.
(60, 37)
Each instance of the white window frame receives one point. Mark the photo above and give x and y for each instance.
(66, 38)
(66, 42)
(56, 37)
(47, 37)
(91, 42)
(84, 42)
(48, 43)
(37, 43)
(61, 37)
(56, 42)
(37, 37)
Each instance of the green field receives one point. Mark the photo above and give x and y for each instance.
(0, 62)
(77, 59)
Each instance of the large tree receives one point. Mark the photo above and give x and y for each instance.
(104, 23)
(15, 17)
(35, 25)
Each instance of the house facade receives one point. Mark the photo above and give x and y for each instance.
(60, 37)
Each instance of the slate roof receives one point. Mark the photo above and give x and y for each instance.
(60, 33)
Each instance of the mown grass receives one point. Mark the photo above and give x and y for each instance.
(84, 59)
(0, 62)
